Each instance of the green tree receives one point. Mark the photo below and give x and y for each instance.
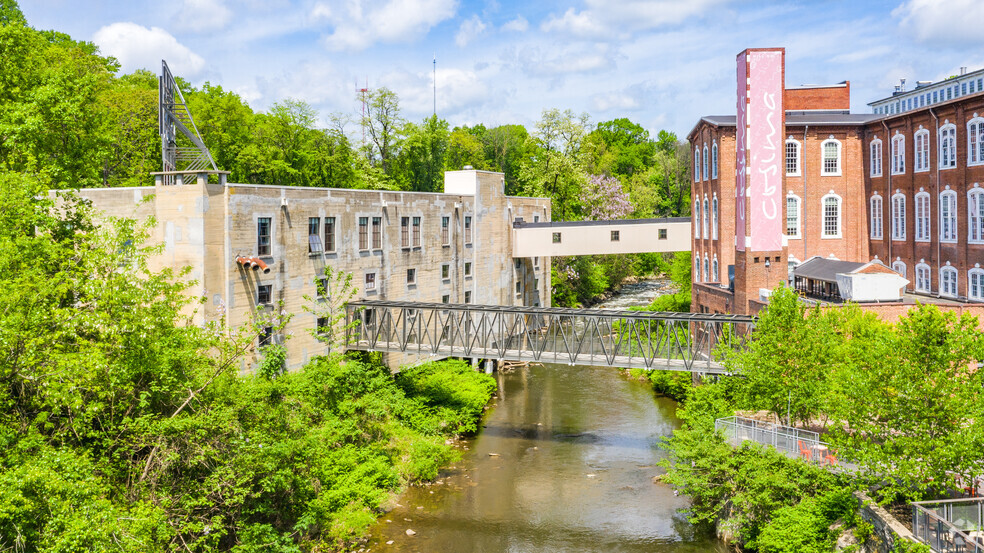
(420, 164)
(382, 124)
(464, 148)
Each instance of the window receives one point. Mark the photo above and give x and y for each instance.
(706, 235)
(975, 141)
(696, 165)
(831, 152)
(948, 281)
(792, 158)
(614, 236)
(329, 234)
(714, 160)
(416, 232)
(831, 216)
(445, 231)
(876, 158)
(948, 216)
(411, 276)
(922, 217)
(898, 217)
(370, 281)
(975, 284)
(792, 216)
(445, 271)
(922, 150)
(377, 233)
(468, 267)
(948, 146)
(404, 232)
(707, 269)
(467, 296)
(445, 299)
(714, 217)
(264, 294)
(875, 205)
(697, 268)
(697, 219)
(975, 206)
(321, 284)
(314, 230)
(705, 162)
(556, 238)
(898, 154)
(662, 234)
(714, 269)
(899, 267)
(363, 233)
(519, 263)
(519, 287)
(322, 324)
(468, 229)
(263, 236)
(922, 278)
(266, 336)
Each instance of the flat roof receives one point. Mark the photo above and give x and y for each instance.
(801, 119)
(562, 224)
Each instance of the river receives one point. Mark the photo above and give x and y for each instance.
(564, 462)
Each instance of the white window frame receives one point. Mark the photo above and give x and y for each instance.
(876, 215)
(899, 267)
(975, 221)
(706, 217)
(823, 216)
(875, 149)
(714, 217)
(799, 217)
(898, 216)
(714, 160)
(697, 164)
(697, 268)
(924, 220)
(923, 284)
(944, 288)
(898, 154)
(823, 151)
(714, 269)
(697, 219)
(975, 141)
(948, 225)
(921, 153)
(704, 166)
(707, 269)
(796, 157)
(948, 155)
(979, 274)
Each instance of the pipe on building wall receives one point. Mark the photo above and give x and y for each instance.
(888, 193)
(257, 263)
(803, 210)
(243, 261)
(936, 186)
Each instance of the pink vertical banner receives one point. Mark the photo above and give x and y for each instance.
(765, 149)
(741, 144)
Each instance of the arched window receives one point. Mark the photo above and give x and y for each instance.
(830, 162)
(948, 216)
(792, 216)
(975, 207)
(975, 141)
(714, 217)
(899, 267)
(898, 154)
(714, 269)
(707, 269)
(923, 283)
(922, 217)
(948, 281)
(876, 157)
(875, 209)
(697, 268)
(696, 164)
(705, 163)
(831, 216)
(922, 150)
(792, 157)
(975, 284)
(898, 216)
(697, 219)
(704, 227)
(948, 146)
(714, 160)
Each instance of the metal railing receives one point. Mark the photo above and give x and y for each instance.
(794, 442)
(950, 525)
(631, 339)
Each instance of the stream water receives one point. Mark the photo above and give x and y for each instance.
(564, 462)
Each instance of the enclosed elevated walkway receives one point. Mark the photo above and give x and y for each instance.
(601, 237)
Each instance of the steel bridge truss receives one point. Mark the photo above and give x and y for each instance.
(692, 342)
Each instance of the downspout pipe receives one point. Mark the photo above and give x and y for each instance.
(936, 186)
(803, 209)
(888, 194)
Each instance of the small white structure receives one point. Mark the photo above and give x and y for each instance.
(836, 280)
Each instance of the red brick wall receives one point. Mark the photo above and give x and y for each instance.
(829, 97)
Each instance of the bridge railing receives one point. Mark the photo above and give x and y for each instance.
(950, 526)
(633, 339)
(794, 442)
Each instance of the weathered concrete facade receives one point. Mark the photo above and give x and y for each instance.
(430, 247)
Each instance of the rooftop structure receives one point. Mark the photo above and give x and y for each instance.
(928, 93)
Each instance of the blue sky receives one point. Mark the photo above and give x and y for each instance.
(661, 63)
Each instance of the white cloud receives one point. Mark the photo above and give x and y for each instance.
(202, 15)
(623, 101)
(601, 18)
(558, 62)
(457, 89)
(139, 47)
(953, 22)
(360, 23)
(321, 11)
(470, 28)
(519, 25)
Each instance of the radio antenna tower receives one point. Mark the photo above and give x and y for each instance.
(435, 84)
(362, 92)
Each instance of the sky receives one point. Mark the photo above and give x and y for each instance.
(660, 63)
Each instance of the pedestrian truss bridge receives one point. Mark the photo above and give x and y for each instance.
(694, 342)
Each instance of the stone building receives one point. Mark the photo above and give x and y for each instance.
(451, 247)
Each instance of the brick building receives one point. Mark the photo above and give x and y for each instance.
(900, 185)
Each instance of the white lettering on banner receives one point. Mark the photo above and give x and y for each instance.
(769, 207)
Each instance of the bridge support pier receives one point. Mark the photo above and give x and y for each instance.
(489, 366)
